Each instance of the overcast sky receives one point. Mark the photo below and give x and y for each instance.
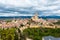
(29, 7)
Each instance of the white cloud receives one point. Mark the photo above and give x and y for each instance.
(24, 3)
(21, 3)
(14, 14)
(40, 5)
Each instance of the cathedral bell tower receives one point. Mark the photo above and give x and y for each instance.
(35, 17)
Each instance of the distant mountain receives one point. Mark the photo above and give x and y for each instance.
(57, 17)
(44, 17)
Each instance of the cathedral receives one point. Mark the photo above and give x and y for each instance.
(35, 17)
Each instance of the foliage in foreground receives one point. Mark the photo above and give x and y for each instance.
(38, 33)
(34, 33)
(11, 34)
(7, 34)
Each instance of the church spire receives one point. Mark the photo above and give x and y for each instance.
(36, 13)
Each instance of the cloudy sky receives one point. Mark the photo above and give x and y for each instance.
(29, 7)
